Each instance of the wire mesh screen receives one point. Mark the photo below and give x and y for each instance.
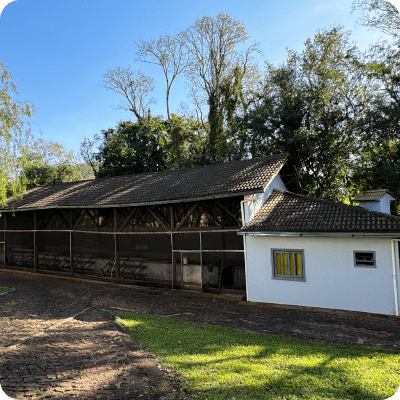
(101, 245)
(19, 249)
(187, 241)
(221, 241)
(1, 236)
(22, 240)
(20, 221)
(155, 247)
(52, 242)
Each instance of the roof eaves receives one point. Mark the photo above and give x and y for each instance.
(186, 200)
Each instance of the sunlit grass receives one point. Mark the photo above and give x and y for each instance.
(221, 363)
(2, 290)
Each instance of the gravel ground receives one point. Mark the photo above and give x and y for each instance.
(59, 338)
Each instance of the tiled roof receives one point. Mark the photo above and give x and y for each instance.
(371, 195)
(290, 212)
(182, 184)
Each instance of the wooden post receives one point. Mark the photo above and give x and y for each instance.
(71, 244)
(5, 241)
(116, 255)
(173, 263)
(35, 246)
(223, 255)
(201, 262)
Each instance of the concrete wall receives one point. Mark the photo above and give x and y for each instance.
(331, 280)
(251, 207)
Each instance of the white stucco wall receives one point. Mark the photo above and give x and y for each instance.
(332, 281)
(251, 207)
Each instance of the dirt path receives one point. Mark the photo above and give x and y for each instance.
(59, 339)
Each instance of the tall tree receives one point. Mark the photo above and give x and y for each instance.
(380, 159)
(169, 53)
(215, 69)
(135, 87)
(132, 148)
(48, 162)
(13, 135)
(379, 14)
(309, 108)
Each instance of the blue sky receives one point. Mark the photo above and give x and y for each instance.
(57, 51)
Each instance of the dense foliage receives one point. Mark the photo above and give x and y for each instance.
(332, 107)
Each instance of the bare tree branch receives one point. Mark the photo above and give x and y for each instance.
(135, 87)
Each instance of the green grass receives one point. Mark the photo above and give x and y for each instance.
(2, 290)
(221, 363)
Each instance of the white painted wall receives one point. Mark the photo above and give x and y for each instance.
(332, 281)
(251, 207)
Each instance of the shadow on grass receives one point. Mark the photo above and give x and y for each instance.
(222, 364)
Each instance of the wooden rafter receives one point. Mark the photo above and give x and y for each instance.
(92, 218)
(63, 219)
(223, 208)
(139, 218)
(158, 218)
(105, 219)
(78, 219)
(210, 211)
(45, 222)
(27, 220)
(189, 213)
(127, 219)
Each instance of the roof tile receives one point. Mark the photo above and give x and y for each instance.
(290, 212)
(182, 184)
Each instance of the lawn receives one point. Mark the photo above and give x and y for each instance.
(221, 363)
(2, 290)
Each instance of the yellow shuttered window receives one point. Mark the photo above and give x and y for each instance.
(288, 264)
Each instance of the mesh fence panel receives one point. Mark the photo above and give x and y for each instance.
(52, 242)
(101, 245)
(221, 241)
(155, 247)
(21, 240)
(20, 221)
(187, 241)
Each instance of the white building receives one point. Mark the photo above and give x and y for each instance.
(305, 251)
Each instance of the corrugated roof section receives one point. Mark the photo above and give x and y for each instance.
(290, 212)
(182, 184)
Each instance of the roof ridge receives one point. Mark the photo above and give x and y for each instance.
(163, 171)
(337, 204)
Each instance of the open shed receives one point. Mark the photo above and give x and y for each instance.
(171, 228)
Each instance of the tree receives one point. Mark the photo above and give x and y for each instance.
(380, 159)
(132, 148)
(135, 87)
(309, 108)
(379, 14)
(48, 162)
(169, 53)
(217, 72)
(14, 133)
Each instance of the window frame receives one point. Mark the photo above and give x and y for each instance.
(301, 278)
(364, 265)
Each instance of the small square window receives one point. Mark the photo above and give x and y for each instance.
(364, 259)
(288, 264)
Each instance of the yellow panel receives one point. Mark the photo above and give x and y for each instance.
(291, 264)
(278, 264)
(284, 257)
(298, 264)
